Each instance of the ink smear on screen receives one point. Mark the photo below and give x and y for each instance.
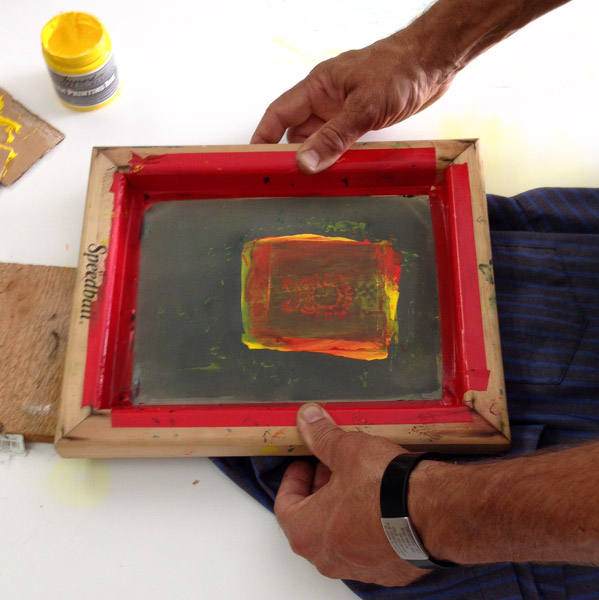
(311, 293)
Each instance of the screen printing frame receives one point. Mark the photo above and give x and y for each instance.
(96, 421)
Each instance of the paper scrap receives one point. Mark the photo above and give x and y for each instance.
(13, 444)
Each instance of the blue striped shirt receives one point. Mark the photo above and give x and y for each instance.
(546, 263)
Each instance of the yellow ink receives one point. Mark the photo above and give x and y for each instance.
(304, 293)
(11, 156)
(281, 42)
(73, 35)
(308, 237)
(307, 57)
(78, 52)
(35, 129)
(11, 127)
(269, 449)
(210, 367)
(79, 482)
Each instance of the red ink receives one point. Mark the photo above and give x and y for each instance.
(309, 293)
(327, 296)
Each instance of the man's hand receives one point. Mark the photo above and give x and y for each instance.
(385, 83)
(541, 508)
(347, 96)
(331, 514)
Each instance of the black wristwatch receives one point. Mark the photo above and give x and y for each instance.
(396, 522)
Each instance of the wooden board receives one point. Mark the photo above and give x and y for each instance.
(88, 431)
(35, 306)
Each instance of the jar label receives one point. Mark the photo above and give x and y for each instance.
(88, 89)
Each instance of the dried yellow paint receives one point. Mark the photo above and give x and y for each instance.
(79, 482)
(10, 127)
(270, 449)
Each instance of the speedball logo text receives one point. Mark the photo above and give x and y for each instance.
(91, 277)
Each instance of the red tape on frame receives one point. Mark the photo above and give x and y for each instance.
(284, 415)
(272, 174)
(472, 361)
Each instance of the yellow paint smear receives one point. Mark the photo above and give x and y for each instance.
(11, 156)
(307, 57)
(11, 127)
(346, 348)
(306, 237)
(79, 482)
(361, 350)
(281, 42)
(269, 449)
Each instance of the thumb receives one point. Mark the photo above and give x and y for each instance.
(329, 142)
(319, 432)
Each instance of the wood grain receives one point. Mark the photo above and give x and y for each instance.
(35, 304)
(96, 230)
(94, 437)
(84, 432)
(491, 404)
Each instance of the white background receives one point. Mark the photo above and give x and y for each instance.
(192, 73)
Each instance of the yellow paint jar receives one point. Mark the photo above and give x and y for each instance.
(78, 52)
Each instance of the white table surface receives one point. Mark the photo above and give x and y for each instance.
(202, 73)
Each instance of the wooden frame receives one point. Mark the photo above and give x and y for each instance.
(87, 431)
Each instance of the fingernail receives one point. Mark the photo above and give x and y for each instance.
(312, 413)
(310, 159)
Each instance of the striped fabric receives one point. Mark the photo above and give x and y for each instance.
(546, 261)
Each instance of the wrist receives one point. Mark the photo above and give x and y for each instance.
(414, 51)
(433, 507)
(395, 515)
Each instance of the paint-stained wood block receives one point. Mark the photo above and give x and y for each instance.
(35, 306)
(187, 251)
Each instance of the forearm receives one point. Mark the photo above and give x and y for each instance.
(453, 32)
(543, 508)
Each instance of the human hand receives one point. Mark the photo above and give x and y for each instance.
(331, 513)
(347, 96)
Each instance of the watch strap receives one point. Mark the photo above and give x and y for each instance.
(398, 528)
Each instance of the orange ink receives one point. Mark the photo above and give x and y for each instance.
(310, 293)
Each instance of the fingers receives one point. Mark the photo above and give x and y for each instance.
(290, 109)
(295, 487)
(302, 132)
(322, 475)
(319, 432)
(329, 142)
